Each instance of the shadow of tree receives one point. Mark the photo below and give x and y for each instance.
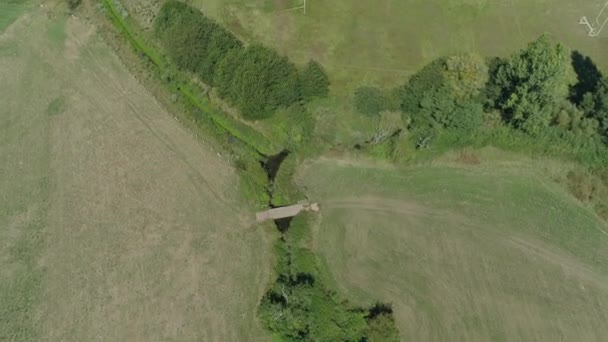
(588, 74)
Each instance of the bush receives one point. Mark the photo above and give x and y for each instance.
(315, 82)
(596, 106)
(529, 86)
(571, 118)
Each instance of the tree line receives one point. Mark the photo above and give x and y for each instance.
(544, 89)
(255, 79)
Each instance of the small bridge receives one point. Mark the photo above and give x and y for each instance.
(284, 212)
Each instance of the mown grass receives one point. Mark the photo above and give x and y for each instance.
(10, 10)
(24, 190)
(491, 251)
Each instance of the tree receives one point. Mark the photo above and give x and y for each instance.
(256, 80)
(193, 41)
(264, 81)
(529, 86)
(597, 106)
(186, 44)
(184, 33)
(315, 82)
(219, 44)
(446, 93)
(573, 119)
(224, 74)
(466, 75)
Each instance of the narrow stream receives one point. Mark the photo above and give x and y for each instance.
(273, 163)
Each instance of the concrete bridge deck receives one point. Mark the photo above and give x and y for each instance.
(284, 212)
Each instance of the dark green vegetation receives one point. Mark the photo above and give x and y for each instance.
(315, 82)
(300, 307)
(260, 82)
(192, 41)
(529, 87)
(255, 79)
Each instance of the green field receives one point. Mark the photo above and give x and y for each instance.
(116, 224)
(492, 252)
(380, 42)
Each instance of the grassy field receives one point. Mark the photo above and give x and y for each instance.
(380, 42)
(487, 252)
(116, 224)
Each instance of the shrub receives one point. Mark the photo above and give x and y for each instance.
(420, 84)
(571, 118)
(596, 106)
(315, 82)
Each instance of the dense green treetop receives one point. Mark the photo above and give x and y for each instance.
(529, 86)
(315, 82)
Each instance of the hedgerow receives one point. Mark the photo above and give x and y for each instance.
(255, 79)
